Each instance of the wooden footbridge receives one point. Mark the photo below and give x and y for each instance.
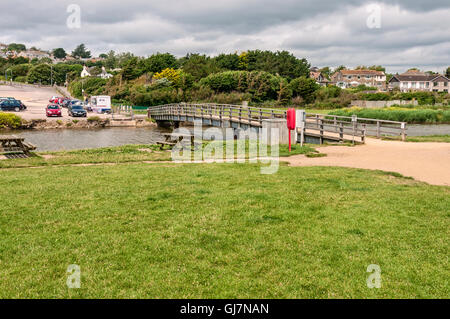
(317, 128)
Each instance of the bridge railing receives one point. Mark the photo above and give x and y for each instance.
(373, 127)
(218, 111)
(322, 123)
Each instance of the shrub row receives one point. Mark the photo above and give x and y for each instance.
(9, 120)
(415, 116)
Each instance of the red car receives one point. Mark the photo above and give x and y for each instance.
(56, 100)
(53, 110)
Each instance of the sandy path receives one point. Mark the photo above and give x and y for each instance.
(427, 162)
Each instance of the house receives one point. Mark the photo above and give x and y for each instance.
(319, 77)
(33, 54)
(85, 72)
(353, 78)
(3, 47)
(418, 81)
(104, 74)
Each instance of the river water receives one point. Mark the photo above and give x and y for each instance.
(72, 139)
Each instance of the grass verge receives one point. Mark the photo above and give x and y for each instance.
(221, 231)
(430, 138)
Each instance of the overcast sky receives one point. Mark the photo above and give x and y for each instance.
(406, 33)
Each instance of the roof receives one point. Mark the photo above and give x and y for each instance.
(316, 75)
(362, 72)
(417, 77)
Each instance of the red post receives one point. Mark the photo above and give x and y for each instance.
(290, 115)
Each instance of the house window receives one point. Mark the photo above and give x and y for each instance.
(427, 84)
(445, 83)
(435, 83)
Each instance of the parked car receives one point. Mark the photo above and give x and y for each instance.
(53, 110)
(76, 110)
(65, 102)
(12, 105)
(56, 100)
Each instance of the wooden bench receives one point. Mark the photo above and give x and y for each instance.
(15, 144)
(162, 144)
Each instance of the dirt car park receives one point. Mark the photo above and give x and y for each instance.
(35, 99)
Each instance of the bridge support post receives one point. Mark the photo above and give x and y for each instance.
(281, 125)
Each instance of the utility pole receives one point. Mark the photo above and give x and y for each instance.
(51, 76)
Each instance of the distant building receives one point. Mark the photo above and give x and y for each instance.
(415, 80)
(353, 78)
(85, 72)
(92, 71)
(33, 54)
(104, 74)
(319, 77)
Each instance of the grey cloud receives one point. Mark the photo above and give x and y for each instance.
(326, 32)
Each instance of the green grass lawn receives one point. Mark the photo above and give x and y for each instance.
(118, 154)
(430, 138)
(220, 231)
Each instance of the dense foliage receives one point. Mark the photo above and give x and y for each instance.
(418, 116)
(10, 120)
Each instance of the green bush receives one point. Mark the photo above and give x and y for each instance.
(22, 79)
(91, 86)
(9, 120)
(261, 85)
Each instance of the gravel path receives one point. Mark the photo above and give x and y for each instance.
(427, 162)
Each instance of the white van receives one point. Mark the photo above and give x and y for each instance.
(100, 104)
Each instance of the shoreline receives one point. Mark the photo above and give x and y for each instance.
(82, 123)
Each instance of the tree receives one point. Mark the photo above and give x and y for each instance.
(199, 66)
(40, 73)
(228, 61)
(111, 60)
(326, 71)
(81, 52)
(18, 47)
(447, 72)
(59, 53)
(282, 63)
(304, 88)
(159, 61)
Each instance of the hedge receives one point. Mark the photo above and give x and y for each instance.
(10, 120)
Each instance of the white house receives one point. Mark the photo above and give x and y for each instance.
(417, 81)
(85, 72)
(34, 54)
(104, 74)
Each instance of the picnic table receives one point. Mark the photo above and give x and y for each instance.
(15, 144)
(171, 139)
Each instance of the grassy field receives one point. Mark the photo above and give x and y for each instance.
(430, 138)
(220, 231)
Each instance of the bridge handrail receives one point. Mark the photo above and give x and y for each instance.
(258, 114)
